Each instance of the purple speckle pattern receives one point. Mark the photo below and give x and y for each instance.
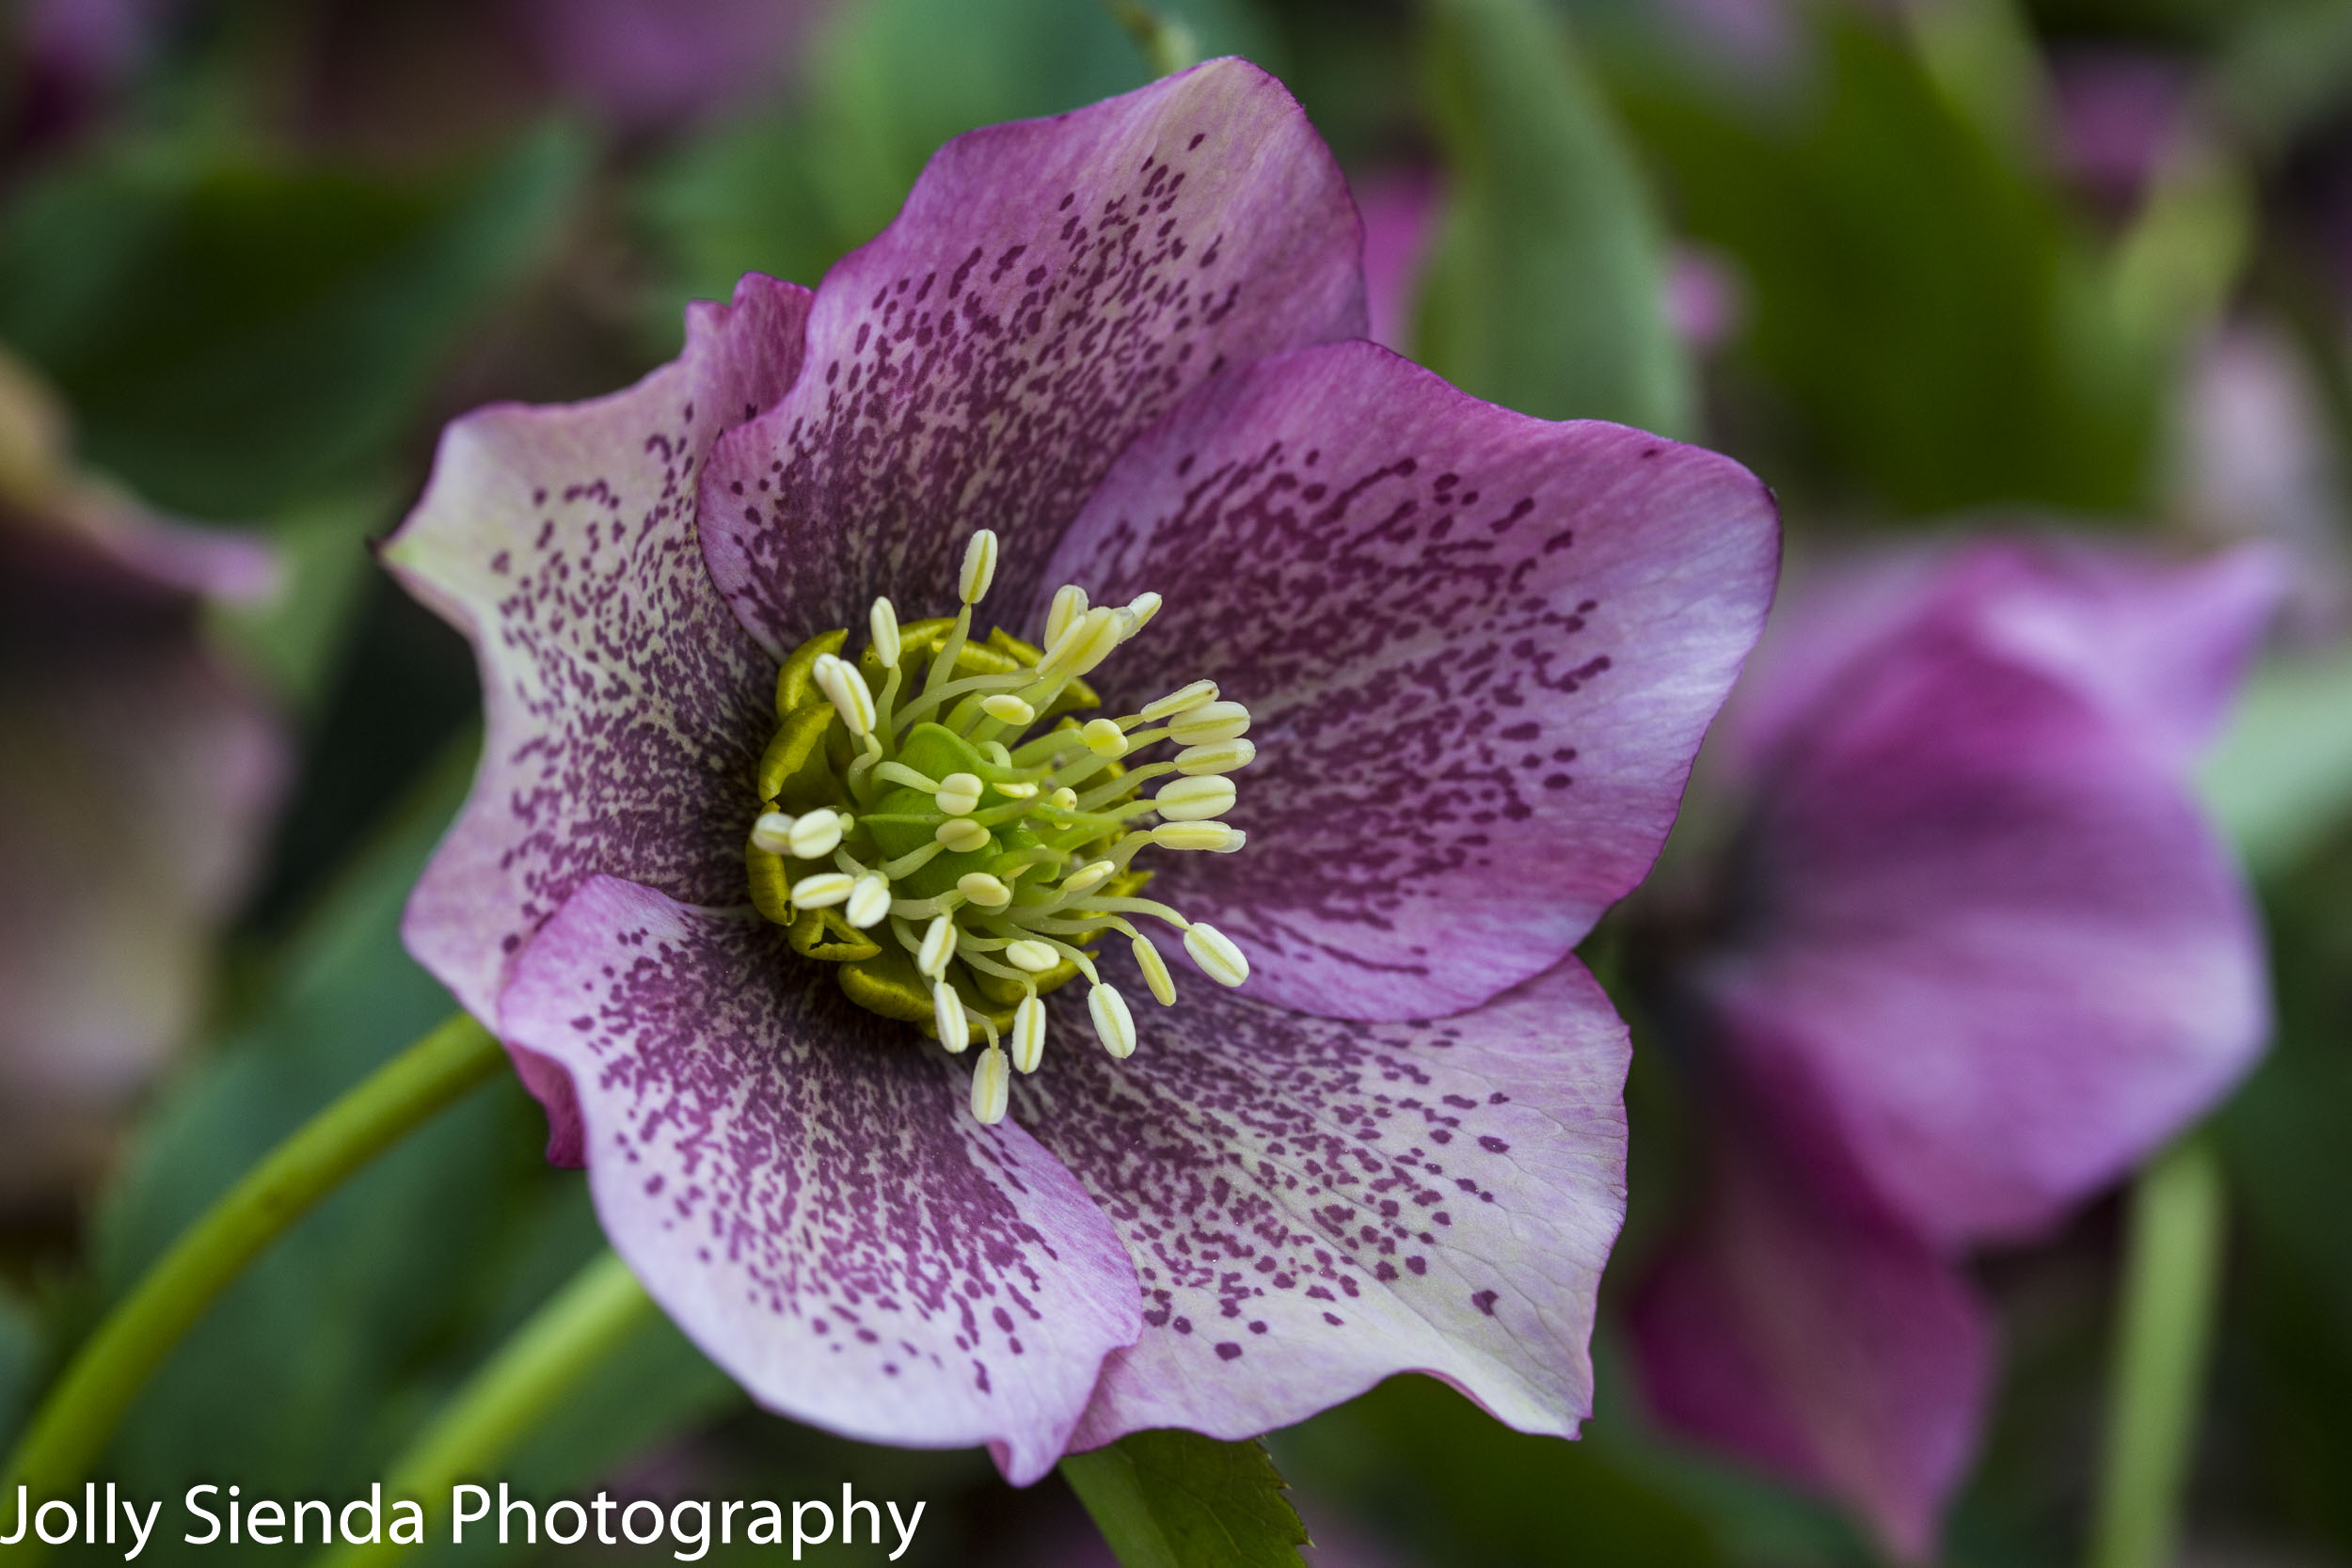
(1314, 1205)
(1481, 650)
(797, 1183)
(623, 706)
(1051, 289)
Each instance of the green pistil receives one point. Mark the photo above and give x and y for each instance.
(940, 853)
(813, 764)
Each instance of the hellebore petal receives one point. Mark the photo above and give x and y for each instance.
(1314, 1206)
(1821, 1341)
(624, 707)
(137, 782)
(2153, 641)
(1050, 289)
(1987, 950)
(1480, 649)
(1400, 210)
(794, 1181)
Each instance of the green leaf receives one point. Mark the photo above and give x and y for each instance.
(2281, 777)
(787, 194)
(1943, 334)
(19, 1359)
(2290, 1166)
(1177, 1499)
(235, 332)
(1544, 291)
(1448, 1483)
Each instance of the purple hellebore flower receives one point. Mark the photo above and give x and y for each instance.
(137, 782)
(649, 63)
(1978, 953)
(1478, 649)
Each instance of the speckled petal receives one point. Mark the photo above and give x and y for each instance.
(1988, 952)
(1314, 1205)
(1819, 1341)
(625, 708)
(1051, 288)
(1481, 649)
(796, 1181)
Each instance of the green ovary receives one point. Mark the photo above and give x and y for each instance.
(943, 829)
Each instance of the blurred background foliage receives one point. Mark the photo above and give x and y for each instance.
(2083, 260)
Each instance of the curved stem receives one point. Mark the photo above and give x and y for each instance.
(74, 1422)
(565, 1341)
(2172, 1277)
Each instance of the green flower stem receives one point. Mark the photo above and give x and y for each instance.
(2171, 1279)
(566, 1339)
(74, 1423)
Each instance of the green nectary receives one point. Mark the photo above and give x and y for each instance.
(806, 769)
(950, 783)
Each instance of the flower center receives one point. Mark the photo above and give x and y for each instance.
(936, 820)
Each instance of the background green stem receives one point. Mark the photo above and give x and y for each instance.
(2171, 1278)
(565, 1341)
(74, 1424)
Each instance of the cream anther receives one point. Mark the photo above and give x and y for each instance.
(1064, 799)
(1070, 602)
(1195, 800)
(979, 567)
(1019, 789)
(1182, 700)
(818, 834)
(961, 835)
(883, 623)
(1028, 1035)
(1210, 722)
(1085, 643)
(869, 901)
(1007, 708)
(947, 1016)
(1029, 954)
(1214, 952)
(939, 945)
(1218, 756)
(984, 890)
(823, 891)
(772, 832)
(1104, 738)
(991, 1084)
(1193, 835)
(1088, 877)
(1156, 973)
(1139, 612)
(1114, 1025)
(843, 687)
(959, 794)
